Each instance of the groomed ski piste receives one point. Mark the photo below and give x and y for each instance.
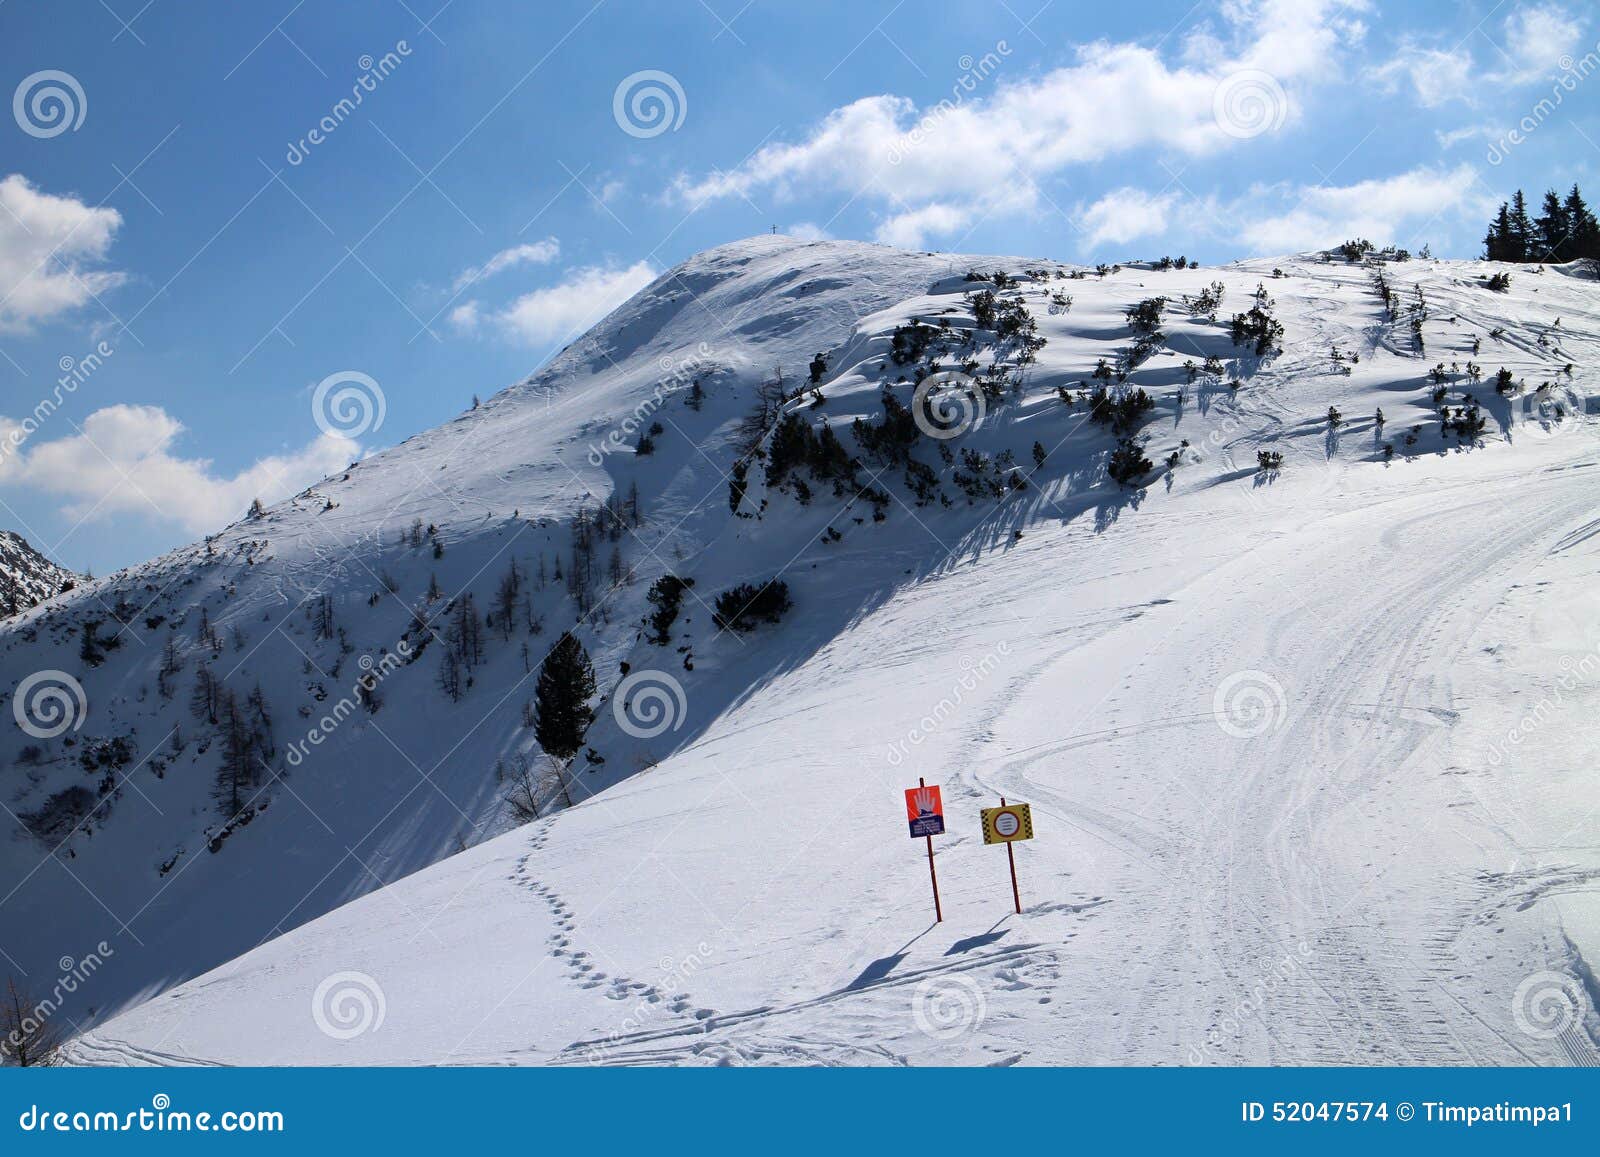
(1308, 749)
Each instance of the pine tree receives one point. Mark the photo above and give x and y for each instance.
(27, 1039)
(1522, 231)
(505, 600)
(561, 698)
(204, 701)
(1554, 236)
(450, 674)
(89, 650)
(171, 664)
(1128, 462)
(464, 635)
(322, 617)
(1582, 229)
(261, 725)
(1497, 244)
(236, 773)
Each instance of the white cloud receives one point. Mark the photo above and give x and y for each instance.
(13, 434)
(1537, 39)
(1425, 204)
(559, 311)
(122, 463)
(1434, 75)
(47, 245)
(1450, 138)
(536, 253)
(1385, 210)
(989, 153)
(808, 231)
(1124, 215)
(467, 316)
(911, 230)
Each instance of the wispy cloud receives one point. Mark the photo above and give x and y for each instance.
(1383, 210)
(1124, 215)
(48, 245)
(1535, 44)
(558, 312)
(935, 170)
(1407, 208)
(535, 253)
(123, 461)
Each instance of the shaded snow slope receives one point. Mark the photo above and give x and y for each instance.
(1250, 709)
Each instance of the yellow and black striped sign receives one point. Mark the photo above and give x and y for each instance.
(1005, 825)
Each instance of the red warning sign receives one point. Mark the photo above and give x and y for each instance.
(925, 810)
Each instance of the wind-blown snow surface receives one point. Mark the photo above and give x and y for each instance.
(1307, 752)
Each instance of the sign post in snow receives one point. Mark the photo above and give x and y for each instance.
(925, 810)
(1006, 825)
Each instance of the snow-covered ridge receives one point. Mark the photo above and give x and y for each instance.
(27, 577)
(1010, 624)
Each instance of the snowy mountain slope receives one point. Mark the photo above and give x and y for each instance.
(1067, 642)
(27, 577)
(1356, 883)
(125, 843)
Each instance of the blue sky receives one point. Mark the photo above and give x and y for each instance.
(174, 222)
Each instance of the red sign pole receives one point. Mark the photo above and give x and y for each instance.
(938, 912)
(1011, 857)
